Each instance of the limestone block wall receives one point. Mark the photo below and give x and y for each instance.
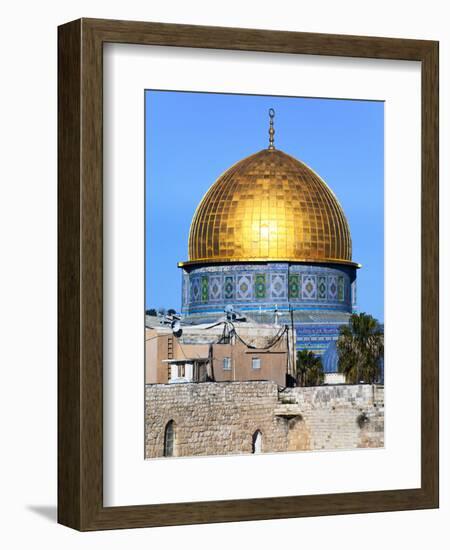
(337, 417)
(218, 418)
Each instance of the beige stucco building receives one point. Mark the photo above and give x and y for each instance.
(225, 352)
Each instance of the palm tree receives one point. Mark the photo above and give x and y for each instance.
(309, 369)
(361, 347)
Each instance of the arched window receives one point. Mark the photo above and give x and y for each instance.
(257, 442)
(169, 438)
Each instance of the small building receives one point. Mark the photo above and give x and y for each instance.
(223, 352)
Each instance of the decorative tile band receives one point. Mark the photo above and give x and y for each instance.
(265, 286)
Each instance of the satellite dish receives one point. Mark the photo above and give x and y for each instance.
(231, 314)
(176, 328)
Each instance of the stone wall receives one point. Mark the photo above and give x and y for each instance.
(218, 418)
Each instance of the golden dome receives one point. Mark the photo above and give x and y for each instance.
(269, 207)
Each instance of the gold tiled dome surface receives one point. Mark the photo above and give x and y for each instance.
(269, 207)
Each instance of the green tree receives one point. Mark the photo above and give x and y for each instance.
(360, 348)
(309, 369)
(151, 312)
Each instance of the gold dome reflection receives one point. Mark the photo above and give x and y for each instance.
(269, 207)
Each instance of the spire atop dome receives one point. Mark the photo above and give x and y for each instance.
(271, 129)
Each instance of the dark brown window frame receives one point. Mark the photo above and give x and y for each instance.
(80, 273)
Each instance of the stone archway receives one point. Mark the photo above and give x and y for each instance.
(257, 442)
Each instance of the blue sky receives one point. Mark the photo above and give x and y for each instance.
(191, 138)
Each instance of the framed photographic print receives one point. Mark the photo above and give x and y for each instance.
(248, 274)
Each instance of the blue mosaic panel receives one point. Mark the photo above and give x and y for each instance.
(309, 287)
(354, 295)
(195, 290)
(215, 288)
(185, 288)
(278, 286)
(341, 289)
(332, 287)
(228, 287)
(317, 338)
(244, 287)
(322, 287)
(294, 286)
(205, 290)
(260, 285)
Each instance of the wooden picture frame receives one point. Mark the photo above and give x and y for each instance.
(80, 272)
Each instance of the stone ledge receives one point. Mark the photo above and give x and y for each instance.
(288, 411)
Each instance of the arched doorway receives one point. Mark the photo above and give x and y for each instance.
(169, 439)
(257, 442)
